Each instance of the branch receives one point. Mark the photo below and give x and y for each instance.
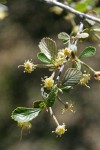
(68, 8)
(53, 116)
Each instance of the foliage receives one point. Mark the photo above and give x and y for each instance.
(22, 114)
(81, 5)
(56, 60)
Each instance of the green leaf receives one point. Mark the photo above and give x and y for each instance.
(84, 5)
(49, 48)
(81, 7)
(77, 64)
(72, 77)
(52, 97)
(42, 57)
(88, 52)
(39, 104)
(67, 88)
(44, 94)
(95, 30)
(64, 36)
(23, 114)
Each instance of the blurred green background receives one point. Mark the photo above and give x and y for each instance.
(20, 32)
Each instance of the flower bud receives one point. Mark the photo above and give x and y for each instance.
(97, 75)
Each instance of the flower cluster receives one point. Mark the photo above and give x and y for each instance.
(61, 57)
(61, 79)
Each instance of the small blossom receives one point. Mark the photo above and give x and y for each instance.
(60, 130)
(58, 62)
(28, 66)
(24, 125)
(61, 54)
(48, 82)
(67, 51)
(97, 75)
(61, 58)
(84, 80)
(68, 107)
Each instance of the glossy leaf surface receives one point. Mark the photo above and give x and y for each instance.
(23, 114)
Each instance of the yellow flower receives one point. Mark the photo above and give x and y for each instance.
(48, 83)
(61, 54)
(84, 80)
(67, 51)
(60, 130)
(61, 58)
(24, 125)
(97, 75)
(28, 66)
(58, 62)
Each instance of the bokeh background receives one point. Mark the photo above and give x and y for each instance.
(20, 32)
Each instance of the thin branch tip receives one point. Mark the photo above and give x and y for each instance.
(72, 10)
